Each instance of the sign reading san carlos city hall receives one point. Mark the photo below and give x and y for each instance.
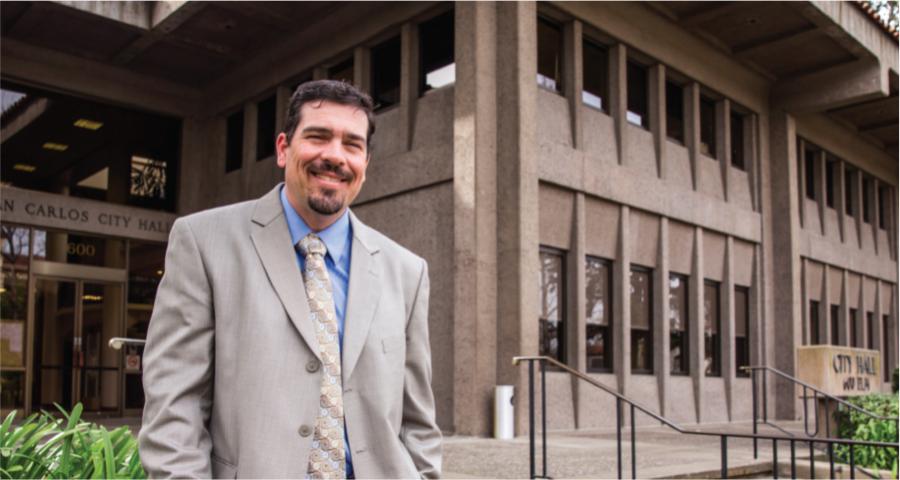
(47, 210)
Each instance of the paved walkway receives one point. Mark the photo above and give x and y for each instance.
(661, 453)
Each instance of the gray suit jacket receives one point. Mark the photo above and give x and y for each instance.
(231, 366)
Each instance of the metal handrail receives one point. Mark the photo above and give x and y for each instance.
(818, 391)
(723, 436)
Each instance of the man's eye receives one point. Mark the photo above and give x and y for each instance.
(355, 146)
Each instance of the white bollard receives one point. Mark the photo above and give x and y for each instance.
(503, 412)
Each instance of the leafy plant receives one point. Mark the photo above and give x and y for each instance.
(856, 425)
(44, 446)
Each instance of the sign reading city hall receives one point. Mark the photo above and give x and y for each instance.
(47, 210)
(840, 371)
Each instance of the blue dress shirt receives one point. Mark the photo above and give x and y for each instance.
(338, 241)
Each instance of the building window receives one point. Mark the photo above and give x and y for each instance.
(814, 322)
(234, 141)
(741, 330)
(835, 325)
(870, 330)
(675, 111)
(265, 128)
(830, 168)
(886, 345)
(385, 71)
(599, 314)
(641, 320)
(549, 43)
(638, 91)
(342, 71)
(436, 52)
(849, 191)
(552, 321)
(867, 200)
(596, 75)
(854, 329)
(707, 127)
(883, 198)
(737, 140)
(679, 338)
(712, 321)
(810, 159)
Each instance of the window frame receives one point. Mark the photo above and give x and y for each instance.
(234, 145)
(608, 362)
(835, 326)
(632, 64)
(714, 369)
(747, 320)
(263, 153)
(685, 367)
(711, 143)
(814, 336)
(426, 68)
(604, 98)
(649, 357)
(670, 85)
(561, 350)
(559, 79)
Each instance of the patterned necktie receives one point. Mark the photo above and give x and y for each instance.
(327, 457)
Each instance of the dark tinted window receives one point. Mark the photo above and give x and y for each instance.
(737, 140)
(870, 330)
(679, 338)
(883, 198)
(830, 168)
(835, 324)
(849, 191)
(549, 43)
(598, 273)
(596, 76)
(641, 320)
(675, 111)
(814, 322)
(707, 127)
(265, 128)
(854, 328)
(342, 71)
(234, 141)
(810, 156)
(712, 326)
(867, 199)
(742, 330)
(386, 73)
(637, 95)
(552, 322)
(436, 52)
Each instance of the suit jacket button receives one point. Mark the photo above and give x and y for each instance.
(305, 430)
(312, 366)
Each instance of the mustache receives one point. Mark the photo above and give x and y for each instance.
(322, 166)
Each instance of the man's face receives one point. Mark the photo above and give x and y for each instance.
(325, 162)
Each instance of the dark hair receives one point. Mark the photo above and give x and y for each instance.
(335, 91)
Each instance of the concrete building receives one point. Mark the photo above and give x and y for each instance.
(654, 193)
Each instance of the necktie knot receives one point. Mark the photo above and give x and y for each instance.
(312, 245)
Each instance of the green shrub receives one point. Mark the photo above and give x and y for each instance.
(859, 426)
(44, 446)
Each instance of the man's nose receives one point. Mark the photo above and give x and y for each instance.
(333, 152)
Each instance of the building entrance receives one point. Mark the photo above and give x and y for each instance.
(74, 318)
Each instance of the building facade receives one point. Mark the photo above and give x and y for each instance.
(654, 193)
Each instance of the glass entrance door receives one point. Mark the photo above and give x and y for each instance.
(74, 320)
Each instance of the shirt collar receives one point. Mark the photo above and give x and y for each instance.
(335, 236)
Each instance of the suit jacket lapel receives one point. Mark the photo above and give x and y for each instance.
(362, 296)
(272, 241)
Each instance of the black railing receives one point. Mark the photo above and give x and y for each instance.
(635, 407)
(758, 377)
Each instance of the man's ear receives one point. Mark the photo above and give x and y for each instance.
(281, 147)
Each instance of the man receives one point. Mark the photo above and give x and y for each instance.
(289, 339)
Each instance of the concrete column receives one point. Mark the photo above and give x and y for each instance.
(876, 332)
(618, 95)
(825, 305)
(727, 308)
(362, 77)
(517, 193)
(475, 302)
(573, 76)
(658, 115)
(858, 211)
(662, 362)
(841, 198)
(804, 303)
(822, 181)
(577, 328)
(755, 315)
(844, 321)
(723, 141)
(873, 201)
(409, 75)
(622, 303)
(282, 101)
(695, 319)
(801, 180)
(692, 129)
(785, 252)
(754, 170)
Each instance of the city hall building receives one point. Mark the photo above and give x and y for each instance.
(656, 194)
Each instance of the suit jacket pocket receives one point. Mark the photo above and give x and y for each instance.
(222, 469)
(390, 344)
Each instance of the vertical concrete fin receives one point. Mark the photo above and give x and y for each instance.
(843, 338)
(658, 114)
(361, 59)
(661, 328)
(728, 329)
(574, 79)
(618, 88)
(577, 329)
(823, 190)
(723, 142)
(695, 317)
(841, 199)
(692, 129)
(409, 85)
(801, 180)
(804, 302)
(622, 301)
